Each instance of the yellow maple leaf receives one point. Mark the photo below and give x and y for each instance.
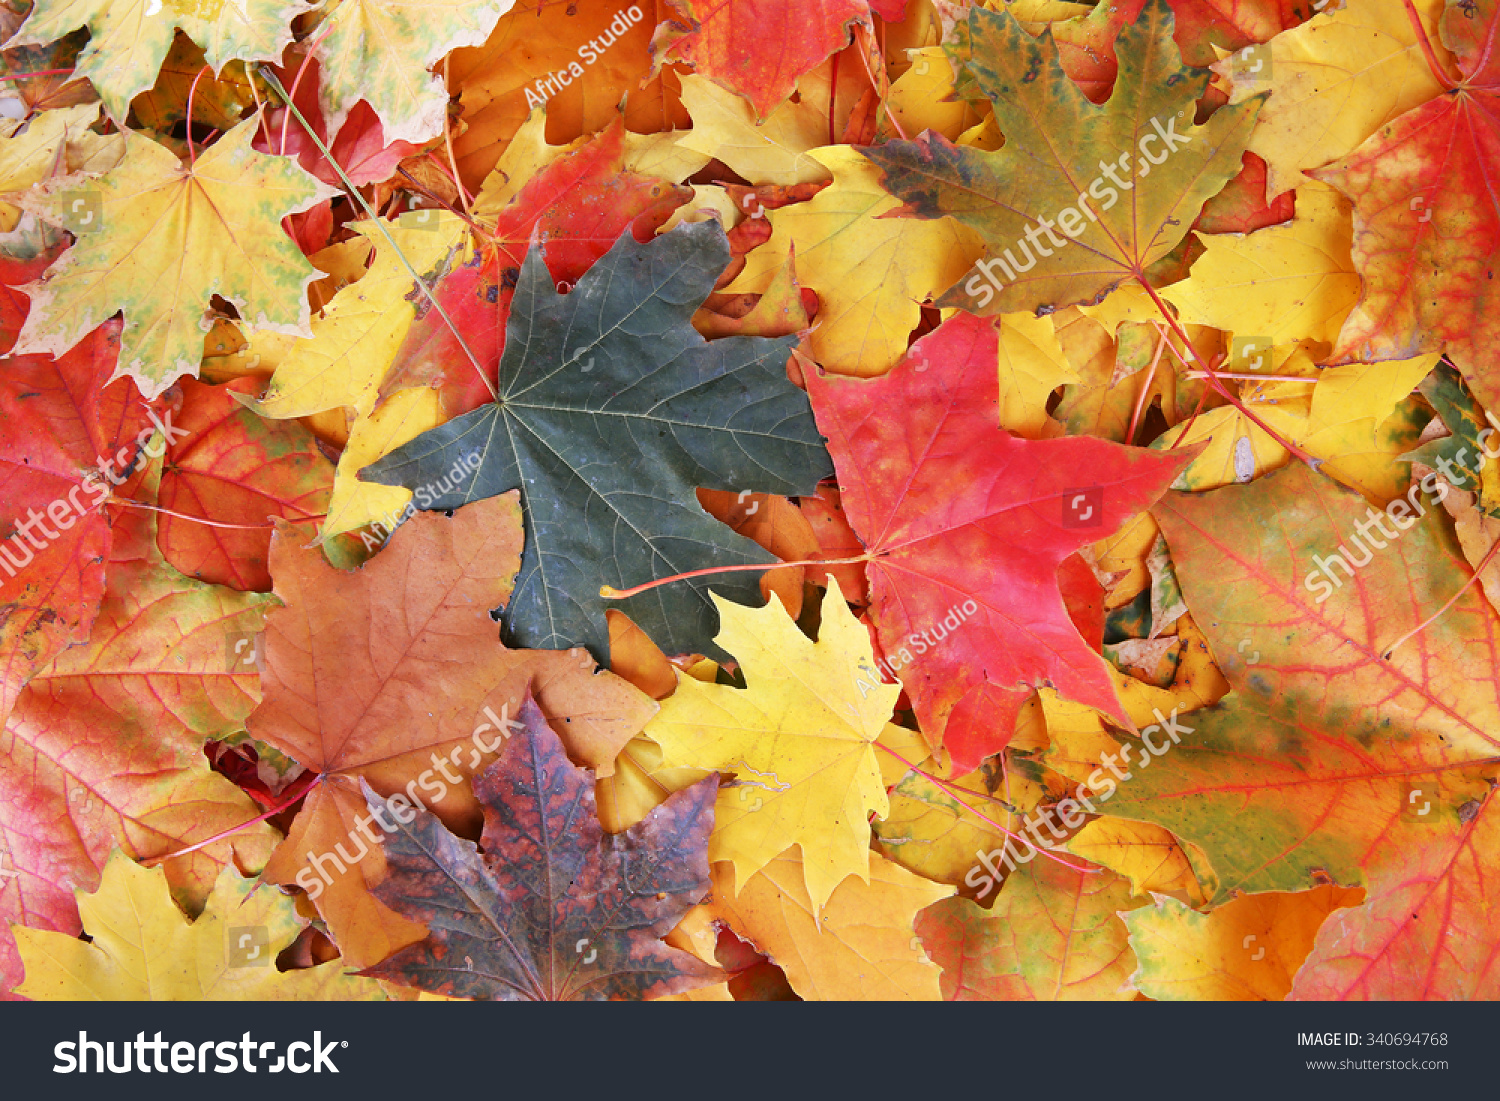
(402, 418)
(355, 340)
(1280, 284)
(1348, 418)
(54, 141)
(1335, 80)
(922, 97)
(1032, 366)
(860, 946)
(158, 238)
(800, 741)
(129, 39)
(776, 151)
(145, 949)
(1145, 854)
(871, 273)
(381, 52)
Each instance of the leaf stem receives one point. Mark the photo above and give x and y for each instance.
(1213, 376)
(1255, 378)
(283, 805)
(1426, 44)
(270, 78)
(609, 592)
(28, 76)
(126, 502)
(1140, 399)
(286, 120)
(463, 194)
(188, 125)
(953, 791)
(1478, 570)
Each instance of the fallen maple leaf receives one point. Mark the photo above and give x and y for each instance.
(128, 41)
(1307, 773)
(548, 907)
(1246, 950)
(61, 421)
(871, 271)
(1334, 81)
(1426, 225)
(104, 746)
(759, 48)
(1055, 935)
(530, 57)
(380, 52)
(144, 949)
(611, 412)
(232, 467)
(966, 526)
(152, 235)
(858, 946)
(394, 674)
(1147, 198)
(1277, 285)
(800, 740)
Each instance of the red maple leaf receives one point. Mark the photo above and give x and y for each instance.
(1427, 217)
(968, 526)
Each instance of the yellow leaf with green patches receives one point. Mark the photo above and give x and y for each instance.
(381, 50)
(158, 238)
(129, 39)
(355, 340)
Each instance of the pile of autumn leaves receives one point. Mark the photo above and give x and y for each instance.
(728, 325)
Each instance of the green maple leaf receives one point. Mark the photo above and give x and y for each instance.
(612, 411)
(1080, 197)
